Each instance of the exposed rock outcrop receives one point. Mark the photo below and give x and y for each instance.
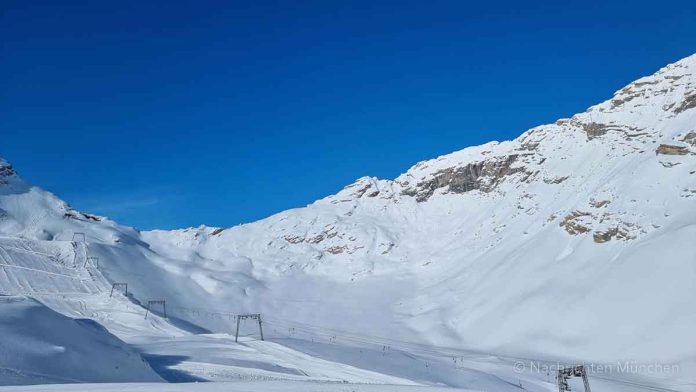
(328, 232)
(81, 216)
(579, 222)
(667, 149)
(609, 234)
(599, 203)
(690, 138)
(556, 180)
(483, 176)
(574, 223)
(6, 171)
(628, 93)
(688, 103)
(594, 130)
(293, 239)
(337, 249)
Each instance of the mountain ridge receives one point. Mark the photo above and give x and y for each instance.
(371, 186)
(583, 120)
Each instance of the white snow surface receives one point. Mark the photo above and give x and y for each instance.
(571, 243)
(41, 345)
(272, 386)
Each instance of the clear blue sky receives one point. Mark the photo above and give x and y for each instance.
(171, 114)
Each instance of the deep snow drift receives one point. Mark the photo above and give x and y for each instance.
(41, 345)
(573, 242)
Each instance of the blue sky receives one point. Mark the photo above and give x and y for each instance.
(174, 114)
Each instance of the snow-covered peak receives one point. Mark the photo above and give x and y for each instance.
(669, 92)
(9, 180)
(5, 168)
(31, 212)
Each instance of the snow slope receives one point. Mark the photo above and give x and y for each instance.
(234, 387)
(572, 242)
(41, 345)
(60, 276)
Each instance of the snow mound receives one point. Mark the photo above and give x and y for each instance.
(39, 345)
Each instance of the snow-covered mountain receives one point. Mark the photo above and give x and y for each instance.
(573, 241)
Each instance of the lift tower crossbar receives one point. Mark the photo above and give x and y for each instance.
(123, 286)
(161, 302)
(256, 316)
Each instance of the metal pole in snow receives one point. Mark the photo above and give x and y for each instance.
(260, 327)
(236, 335)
